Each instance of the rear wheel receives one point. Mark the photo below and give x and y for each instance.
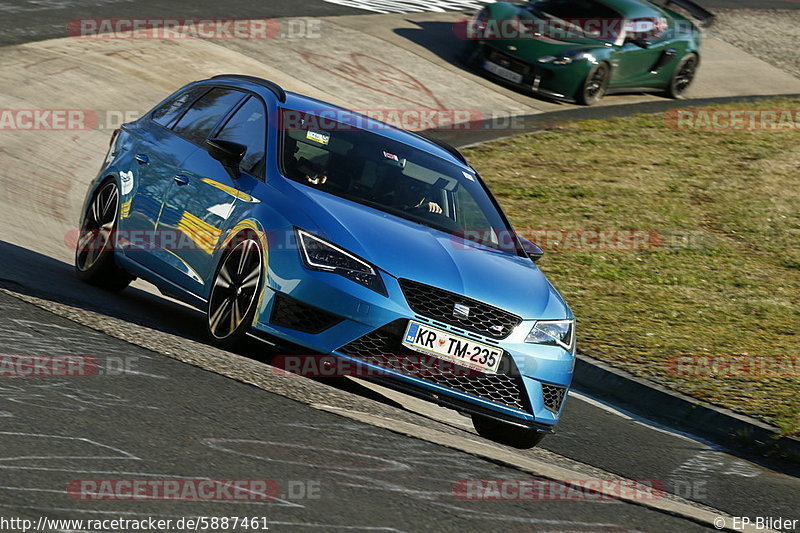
(682, 76)
(94, 254)
(595, 85)
(515, 436)
(233, 302)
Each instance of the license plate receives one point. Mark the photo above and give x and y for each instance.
(503, 72)
(432, 341)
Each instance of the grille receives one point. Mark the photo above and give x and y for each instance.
(290, 313)
(513, 64)
(440, 304)
(553, 397)
(383, 347)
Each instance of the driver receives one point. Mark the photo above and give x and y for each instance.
(302, 169)
(412, 194)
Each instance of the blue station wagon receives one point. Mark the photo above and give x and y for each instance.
(301, 222)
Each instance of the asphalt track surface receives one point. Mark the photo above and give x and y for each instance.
(162, 415)
(483, 131)
(173, 421)
(30, 20)
(34, 20)
(168, 419)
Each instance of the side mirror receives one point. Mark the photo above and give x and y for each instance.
(532, 250)
(228, 153)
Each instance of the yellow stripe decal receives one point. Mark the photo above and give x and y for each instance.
(230, 190)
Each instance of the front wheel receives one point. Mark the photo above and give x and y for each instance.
(682, 76)
(515, 436)
(233, 302)
(595, 85)
(94, 254)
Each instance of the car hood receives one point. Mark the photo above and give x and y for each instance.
(531, 48)
(404, 249)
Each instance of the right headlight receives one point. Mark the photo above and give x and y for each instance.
(567, 58)
(319, 254)
(553, 332)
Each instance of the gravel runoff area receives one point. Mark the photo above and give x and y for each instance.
(771, 35)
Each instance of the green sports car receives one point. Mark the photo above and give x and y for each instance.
(581, 50)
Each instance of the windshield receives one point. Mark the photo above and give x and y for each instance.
(390, 176)
(578, 19)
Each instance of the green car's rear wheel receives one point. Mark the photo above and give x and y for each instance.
(682, 76)
(595, 85)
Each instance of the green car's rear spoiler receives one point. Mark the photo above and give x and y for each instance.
(697, 11)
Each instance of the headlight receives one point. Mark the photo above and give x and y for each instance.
(318, 254)
(547, 59)
(477, 25)
(553, 332)
(566, 58)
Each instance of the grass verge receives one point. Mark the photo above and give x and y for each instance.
(718, 274)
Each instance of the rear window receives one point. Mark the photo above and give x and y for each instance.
(172, 108)
(205, 113)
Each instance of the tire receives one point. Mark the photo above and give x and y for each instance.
(94, 253)
(466, 55)
(682, 76)
(595, 85)
(507, 434)
(235, 291)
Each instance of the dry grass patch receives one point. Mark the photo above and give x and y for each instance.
(726, 280)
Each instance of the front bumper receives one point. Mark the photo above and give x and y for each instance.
(329, 314)
(551, 81)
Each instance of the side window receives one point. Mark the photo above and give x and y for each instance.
(200, 119)
(646, 29)
(165, 114)
(248, 126)
(472, 218)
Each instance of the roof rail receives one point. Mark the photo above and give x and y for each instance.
(272, 86)
(443, 145)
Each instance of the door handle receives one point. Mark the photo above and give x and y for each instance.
(180, 179)
(142, 159)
